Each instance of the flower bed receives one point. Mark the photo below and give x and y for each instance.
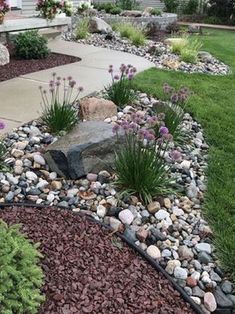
(157, 52)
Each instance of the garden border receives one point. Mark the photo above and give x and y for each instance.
(143, 254)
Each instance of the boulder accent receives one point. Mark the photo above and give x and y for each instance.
(93, 108)
(97, 25)
(89, 148)
(4, 55)
(131, 13)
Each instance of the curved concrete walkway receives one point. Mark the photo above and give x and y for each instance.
(20, 99)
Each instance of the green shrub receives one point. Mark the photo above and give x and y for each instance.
(190, 7)
(155, 11)
(126, 30)
(120, 91)
(140, 170)
(127, 4)
(20, 276)
(31, 45)
(171, 6)
(59, 113)
(82, 29)
(115, 11)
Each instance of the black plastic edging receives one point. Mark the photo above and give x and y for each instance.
(143, 254)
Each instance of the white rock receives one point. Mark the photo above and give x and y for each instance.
(39, 159)
(31, 176)
(196, 300)
(185, 164)
(17, 153)
(203, 247)
(126, 216)
(153, 251)
(18, 170)
(72, 192)
(162, 214)
(50, 197)
(177, 211)
(42, 184)
(114, 223)
(101, 211)
(180, 273)
(171, 265)
(210, 302)
(4, 55)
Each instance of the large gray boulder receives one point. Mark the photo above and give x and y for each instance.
(89, 148)
(4, 55)
(97, 25)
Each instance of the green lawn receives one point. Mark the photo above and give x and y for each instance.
(213, 105)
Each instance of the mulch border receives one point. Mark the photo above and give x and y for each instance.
(131, 244)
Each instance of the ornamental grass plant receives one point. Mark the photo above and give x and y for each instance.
(140, 165)
(59, 104)
(82, 29)
(133, 33)
(120, 90)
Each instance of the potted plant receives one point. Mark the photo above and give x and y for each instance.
(4, 8)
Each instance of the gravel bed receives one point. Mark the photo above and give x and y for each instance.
(171, 229)
(88, 270)
(156, 52)
(18, 67)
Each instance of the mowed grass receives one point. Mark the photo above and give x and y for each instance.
(213, 105)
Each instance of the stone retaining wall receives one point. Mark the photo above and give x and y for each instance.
(163, 20)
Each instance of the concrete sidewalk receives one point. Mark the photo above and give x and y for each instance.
(20, 99)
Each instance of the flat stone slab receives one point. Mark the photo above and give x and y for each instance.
(88, 148)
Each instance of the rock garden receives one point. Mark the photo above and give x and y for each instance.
(116, 167)
(131, 161)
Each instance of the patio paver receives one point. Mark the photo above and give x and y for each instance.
(20, 99)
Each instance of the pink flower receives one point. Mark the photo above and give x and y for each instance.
(163, 130)
(2, 125)
(175, 155)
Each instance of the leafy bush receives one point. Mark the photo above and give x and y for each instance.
(224, 9)
(115, 11)
(83, 6)
(171, 6)
(190, 7)
(20, 276)
(140, 165)
(127, 4)
(108, 7)
(59, 114)
(31, 45)
(172, 28)
(82, 29)
(50, 8)
(155, 11)
(135, 35)
(120, 91)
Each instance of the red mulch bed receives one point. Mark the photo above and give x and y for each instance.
(86, 272)
(18, 67)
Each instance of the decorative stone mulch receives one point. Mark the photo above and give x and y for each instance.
(18, 67)
(89, 270)
(171, 229)
(156, 52)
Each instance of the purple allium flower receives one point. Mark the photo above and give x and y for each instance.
(167, 137)
(116, 128)
(152, 120)
(110, 70)
(57, 83)
(72, 83)
(163, 130)
(53, 74)
(58, 78)
(51, 90)
(80, 89)
(130, 76)
(2, 125)
(116, 77)
(166, 88)
(44, 92)
(69, 78)
(174, 98)
(149, 136)
(175, 154)
(134, 70)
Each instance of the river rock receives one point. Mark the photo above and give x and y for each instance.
(93, 108)
(88, 148)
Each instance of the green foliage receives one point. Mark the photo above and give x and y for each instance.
(108, 7)
(115, 11)
(189, 53)
(127, 4)
(178, 44)
(212, 104)
(30, 45)
(120, 91)
(20, 276)
(82, 29)
(223, 9)
(190, 7)
(3, 151)
(155, 11)
(134, 34)
(140, 170)
(171, 6)
(59, 117)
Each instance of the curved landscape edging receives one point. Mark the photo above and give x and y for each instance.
(137, 249)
